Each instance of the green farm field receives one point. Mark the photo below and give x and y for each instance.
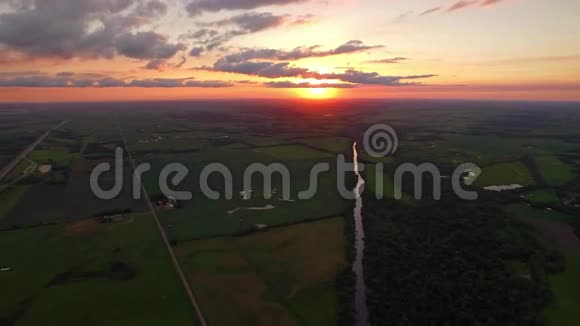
(505, 174)
(554, 171)
(107, 272)
(282, 276)
(566, 287)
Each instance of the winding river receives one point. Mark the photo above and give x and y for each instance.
(362, 315)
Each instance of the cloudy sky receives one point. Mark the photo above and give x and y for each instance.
(70, 50)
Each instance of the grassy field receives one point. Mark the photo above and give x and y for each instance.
(18, 171)
(263, 141)
(45, 202)
(59, 157)
(554, 171)
(283, 276)
(9, 198)
(554, 232)
(62, 275)
(566, 288)
(545, 196)
(292, 152)
(526, 211)
(485, 149)
(505, 174)
(333, 144)
(203, 217)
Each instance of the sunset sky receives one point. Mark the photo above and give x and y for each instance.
(98, 50)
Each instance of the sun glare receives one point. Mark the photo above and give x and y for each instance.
(318, 93)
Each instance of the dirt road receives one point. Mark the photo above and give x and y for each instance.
(6, 170)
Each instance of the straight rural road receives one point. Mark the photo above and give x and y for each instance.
(176, 264)
(27, 151)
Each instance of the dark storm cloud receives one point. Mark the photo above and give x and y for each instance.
(181, 62)
(389, 60)
(79, 74)
(4, 74)
(261, 69)
(58, 27)
(207, 84)
(177, 82)
(202, 33)
(351, 47)
(372, 78)
(157, 64)
(297, 53)
(243, 24)
(35, 81)
(158, 82)
(147, 45)
(110, 82)
(288, 84)
(84, 28)
(74, 80)
(45, 81)
(286, 70)
(252, 22)
(198, 7)
(196, 51)
(153, 8)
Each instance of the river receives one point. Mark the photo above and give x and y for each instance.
(362, 315)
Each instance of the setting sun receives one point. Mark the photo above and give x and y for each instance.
(317, 93)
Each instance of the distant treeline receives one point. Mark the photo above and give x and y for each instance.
(113, 212)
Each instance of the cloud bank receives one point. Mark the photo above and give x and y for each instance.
(199, 7)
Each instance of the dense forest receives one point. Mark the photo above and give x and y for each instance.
(450, 262)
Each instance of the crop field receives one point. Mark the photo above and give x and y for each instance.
(204, 217)
(554, 171)
(117, 271)
(18, 171)
(64, 193)
(283, 276)
(292, 152)
(488, 149)
(505, 174)
(257, 261)
(566, 287)
(338, 145)
(263, 141)
(9, 198)
(58, 157)
(545, 196)
(526, 211)
(49, 206)
(73, 200)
